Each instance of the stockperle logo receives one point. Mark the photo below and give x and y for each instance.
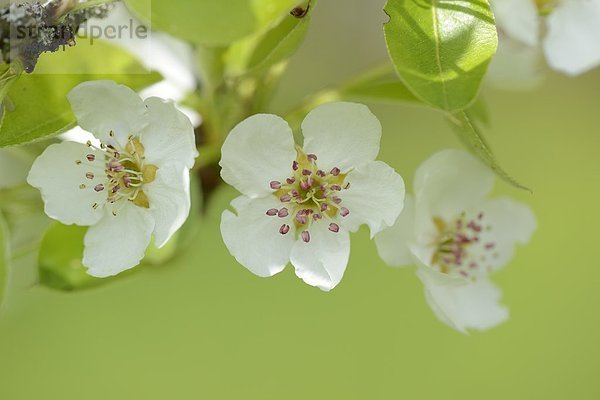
(29, 30)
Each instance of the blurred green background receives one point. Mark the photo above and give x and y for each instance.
(205, 327)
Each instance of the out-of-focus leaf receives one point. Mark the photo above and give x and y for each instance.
(206, 22)
(41, 108)
(213, 23)
(474, 141)
(4, 254)
(280, 42)
(270, 46)
(380, 85)
(478, 112)
(441, 48)
(9, 73)
(61, 253)
(60, 259)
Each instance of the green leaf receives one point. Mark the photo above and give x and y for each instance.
(41, 108)
(206, 22)
(441, 48)
(474, 141)
(60, 259)
(280, 42)
(478, 112)
(270, 46)
(61, 254)
(379, 85)
(4, 255)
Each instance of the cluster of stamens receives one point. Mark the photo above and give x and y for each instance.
(459, 246)
(123, 172)
(309, 196)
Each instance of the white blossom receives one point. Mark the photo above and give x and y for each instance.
(132, 186)
(457, 237)
(566, 32)
(298, 204)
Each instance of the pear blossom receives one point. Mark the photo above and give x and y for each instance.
(457, 237)
(566, 31)
(131, 186)
(298, 204)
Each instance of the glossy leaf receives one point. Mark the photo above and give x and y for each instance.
(474, 141)
(441, 48)
(40, 107)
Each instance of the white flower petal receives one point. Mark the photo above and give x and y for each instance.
(516, 66)
(169, 198)
(572, 44)
(393, 243)
(463, 305)
(157, 51)
(375, 197)
(510, 223)
(58, 177)
(519, 19)
(14, 167)
(253, 238)
(343, 135)
(258, 150)
(450, 182)
(105, 106)
(169, 136)
(322, 261)
(116, 244)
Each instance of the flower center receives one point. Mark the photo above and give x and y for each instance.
(546, 7)
(460, 248)
(124, 173)
(310, 195)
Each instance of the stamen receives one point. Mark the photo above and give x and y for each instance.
(311, 157)
(305, 185)
(301, 217)
(306, 172)
(305, 236)
(275, 185)
(285, 198)
(335, 228)
(337, 188)
(89, 175)
(290, 181)
(99, 187)
(272, 212)
(335, 171)
(283, 213)
(91, 157)
(284, 229)
(344, 212)
(295, 165)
